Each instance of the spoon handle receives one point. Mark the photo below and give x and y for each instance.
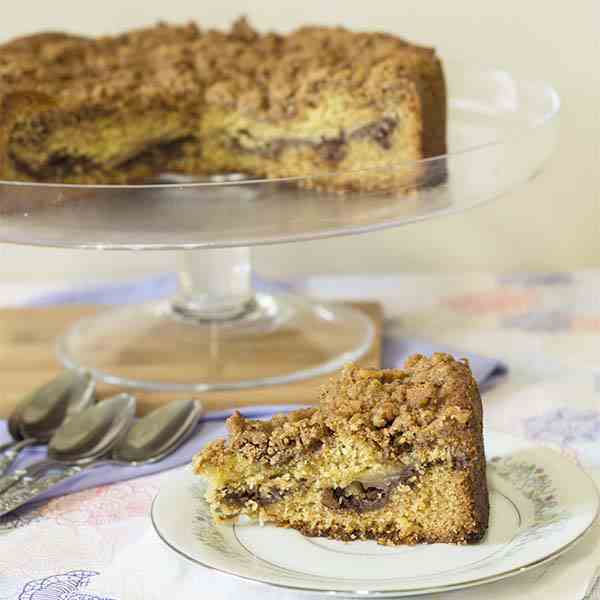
(34, 470)
(29, 487)
(8, 457)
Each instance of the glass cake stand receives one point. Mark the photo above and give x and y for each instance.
(501, 130)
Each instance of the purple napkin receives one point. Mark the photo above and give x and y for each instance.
(395, 350)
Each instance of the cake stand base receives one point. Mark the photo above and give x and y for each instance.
(278, 339)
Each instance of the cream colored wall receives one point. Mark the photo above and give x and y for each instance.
(551, 223)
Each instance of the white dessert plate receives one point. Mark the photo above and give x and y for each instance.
(542, 503)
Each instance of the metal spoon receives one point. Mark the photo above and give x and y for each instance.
(41, 412)
(158, 434)
(71, 393)
(150, 439)
(84, 436)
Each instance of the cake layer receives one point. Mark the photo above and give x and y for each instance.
(433, 507)
(391, 455)
(314, 102)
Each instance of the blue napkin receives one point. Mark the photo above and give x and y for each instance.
(485, 370)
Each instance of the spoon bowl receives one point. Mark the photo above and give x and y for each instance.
(49, 406)
(93, 432)
(159, 433)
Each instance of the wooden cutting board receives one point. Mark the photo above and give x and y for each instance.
(28, 359)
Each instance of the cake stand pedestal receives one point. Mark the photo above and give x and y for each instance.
(233, 337)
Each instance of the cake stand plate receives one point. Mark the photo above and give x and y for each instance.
(501, 130)
(541, 504)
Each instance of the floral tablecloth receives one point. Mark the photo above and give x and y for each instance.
(546, 327)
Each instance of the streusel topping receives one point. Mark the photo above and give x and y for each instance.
(379, 396)
(396, 409)
(266, 74)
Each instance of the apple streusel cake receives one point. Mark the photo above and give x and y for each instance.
(185, 99)
(391, 455)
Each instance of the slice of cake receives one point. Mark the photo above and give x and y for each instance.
(124, 109)
(390, 455)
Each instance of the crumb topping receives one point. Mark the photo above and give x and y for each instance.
(278, 440)
(378, 397)
(430, 399)
(269, 75)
